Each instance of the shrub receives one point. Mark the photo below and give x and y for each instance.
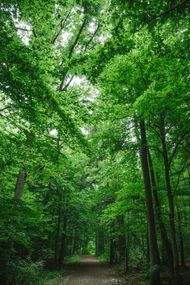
(25, 271)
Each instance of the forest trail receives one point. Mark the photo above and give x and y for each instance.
(89, 271)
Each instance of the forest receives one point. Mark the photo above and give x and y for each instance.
(95, 138)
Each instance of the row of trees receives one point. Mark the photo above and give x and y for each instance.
(143, 135)
(94, 127)
(46, 202)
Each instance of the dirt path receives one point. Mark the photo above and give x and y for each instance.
(89, 271)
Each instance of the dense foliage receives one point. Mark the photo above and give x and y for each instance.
(95, 134)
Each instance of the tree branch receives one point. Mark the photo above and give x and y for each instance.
(176, 147)
(91, 39)
(156, 131)
(26, 30)
(156, 148)
(163, 14)
(5, 108)
(170, 10)
(62, 25)
(23, 29)
(73, 48)
(179, 176)
(67, 84)
(77, 37)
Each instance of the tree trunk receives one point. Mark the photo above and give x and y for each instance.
(63, 243)
(21, 180)
(153, 247)
(112, 255)
(99, 241)
(121, 238)
(57, 234)
(181, 242)
(126, 265)
(170, 202)
(163, 232)
(58, 226)
(73, 246)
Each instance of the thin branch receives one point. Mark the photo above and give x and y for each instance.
(179, 176)
(170, 10)
(156, 148)
(23, 29)
(163, 14)
(176, 147)
(5, 108)
(62, 25)
(27, 30)
(91, 39)
(77, 37)
(154, 129)
(67, 84)
(73, 48)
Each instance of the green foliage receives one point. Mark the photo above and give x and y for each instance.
(72, 259)
(24, 272)
(52, 277)
(77, 79)
(104, 258)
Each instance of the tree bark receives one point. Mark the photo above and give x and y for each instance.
(63, 243)
(112, 255)
(126, 264)
(99, 241)
(58, 218)
(163, 232)
(21, 180)
(181, 241)
(153, 247)
(57, 234)
(121, 238)
(170, 201)
(73, 244)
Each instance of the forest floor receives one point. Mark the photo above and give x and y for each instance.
(89, 271)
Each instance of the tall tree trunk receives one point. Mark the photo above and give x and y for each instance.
(57, 234)
(126, 264)
(121, 239)
(112, 253)
(181, 242)
(163, 232)
(147, 248)
(73, 246)
(170, 201)
(63, 243)
(58, 226)
(21, 180)
(153, 246)
(99, 241)
(19, 189)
